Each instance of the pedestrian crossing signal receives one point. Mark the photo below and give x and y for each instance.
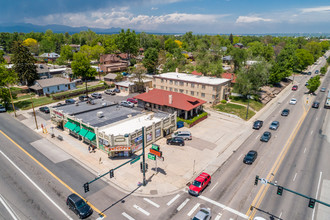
(86, 187)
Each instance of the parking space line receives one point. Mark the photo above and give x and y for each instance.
(305, 150)
(141, 210)
(151, 202)
(127, 216)
(183, 204)
(193, 209)
(294, 178)
(218, 216)
(214, 186)
(257, 137)
(172, 200)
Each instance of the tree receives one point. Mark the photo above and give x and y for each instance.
(313, 83)
(24, 64)
(150, 59)
(239, 57)
(139, 73)
(7, 77)
(305, 58)
(231, 38)
(323, 69)
(66, 53)
(32, 44)
(2, 60)
(171, 45)
(314, 48)
(127, 42)
(81, 67)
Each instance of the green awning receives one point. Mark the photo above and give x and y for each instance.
(90, 136)
(77, 129)
(83, 132)
(70, 126)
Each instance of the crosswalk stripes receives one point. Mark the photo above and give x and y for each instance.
(141, 210)
(193, 209)
(218, 216)
(127, 216)
(172, 200)
(183, 204)
(151, 202)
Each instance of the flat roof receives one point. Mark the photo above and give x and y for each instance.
(134, 124)
(192, 78)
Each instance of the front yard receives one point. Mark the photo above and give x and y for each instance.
(235, 109)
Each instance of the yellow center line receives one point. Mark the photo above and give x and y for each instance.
(51, 173)
(262, 192)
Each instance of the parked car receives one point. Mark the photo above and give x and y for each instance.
(127, 104)
(78, 206)
(134, 101)
(44, 109)
(96, 95)
(306, 84)
(175, 141)
(186, 135)
(294, 88)
(309, 73)
(2, 108)
(285, 112)
(70, 101)
(116, 90)
(316, 71)
(293, 101)
(257, 124)
(199, 184)
(110, 92)
(83, 98)
(203, 214)
(266, 136)
(274, 125)
(250, 157)
(316, 104)
(323, 89)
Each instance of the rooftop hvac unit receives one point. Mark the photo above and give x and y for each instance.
(99, 114)
(104, 104)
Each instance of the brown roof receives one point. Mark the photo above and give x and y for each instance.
(110, 76)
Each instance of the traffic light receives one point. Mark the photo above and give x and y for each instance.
(279, 190)
(86, 187)
(111, 173)
(256, 180)
(311, 203)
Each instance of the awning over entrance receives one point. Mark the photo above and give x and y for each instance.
(83, 132)
(77, 129)
(90, 136)
(70, 126)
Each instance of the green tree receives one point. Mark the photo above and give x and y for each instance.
(314, 48)
(324, 69)
(7, 77)
(231, 38)
(81, 67)
(127, 42)
(170, 45)
(150, 60)
(66, 53)
(314, 83)
(2, 60)
(239, 57)
(305, 58)
(24, 64)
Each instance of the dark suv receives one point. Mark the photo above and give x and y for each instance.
(257, 124)
(175, 141)
(78, 206)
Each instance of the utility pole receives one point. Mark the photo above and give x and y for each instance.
(34, 113)
(12, 103)
(247, 109)
(143, 158)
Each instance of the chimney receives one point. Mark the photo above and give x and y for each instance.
(170, 99)
(176, 70)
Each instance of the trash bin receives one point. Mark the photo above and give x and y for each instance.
(180, 124)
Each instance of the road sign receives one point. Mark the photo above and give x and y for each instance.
(151, 156)
(135, 159)
(157, 153)
(155, 147)
(263, 181)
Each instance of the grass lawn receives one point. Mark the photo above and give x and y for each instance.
(238, 110)
(27, 104)
(27, 96)
(256, 105)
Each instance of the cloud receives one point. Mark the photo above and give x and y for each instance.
(316, 9)
(251, 19)
(153, 8)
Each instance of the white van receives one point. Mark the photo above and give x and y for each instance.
(186, 135)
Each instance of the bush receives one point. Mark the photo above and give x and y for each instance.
(193, 119)
(223, 101)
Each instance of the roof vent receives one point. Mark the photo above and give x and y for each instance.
(104, 104)
(170, 99)
(129, 116)
(99, 114)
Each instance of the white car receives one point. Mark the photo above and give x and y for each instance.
(293, 101)
(2, 108)
(127, 104)
(203, 214)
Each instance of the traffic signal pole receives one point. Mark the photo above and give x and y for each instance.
(143, 158)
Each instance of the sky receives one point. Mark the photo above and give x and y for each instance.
(176, 16)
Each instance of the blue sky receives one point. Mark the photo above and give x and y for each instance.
(176, 16)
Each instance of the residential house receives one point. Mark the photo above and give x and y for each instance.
(110, 78)
(49, 56)
(230, 76)
(239, 45)
(110, 63)
(75, 48)
(196, 73)
(52, 85)
(43, 71)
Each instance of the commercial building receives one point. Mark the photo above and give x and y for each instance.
(210, 89)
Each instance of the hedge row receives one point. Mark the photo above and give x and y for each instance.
(191, 121)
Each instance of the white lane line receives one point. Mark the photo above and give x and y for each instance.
(127, 216)
(224, 207)
(152, 203)
(257, 137)
(280, 215)
(36, 186)
(141, 210)
(193, 209)
(218, 216)
(311, 132)
(9, 209)
(183, 204)
(294, 178)
(172, 200)
(240, 157)
(214, 186)
(316, 119)
(305, 150)
(317, 192)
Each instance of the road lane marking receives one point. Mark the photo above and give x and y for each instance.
(193, 209)
(141, 210)
(224, 207)
(240, 157)
(183, 204)
(218, 216)
(317, 192)
(257, 137)
(280, 215)
(52, 174)
(305, 150)
(127, 216)
(294, 178)
(9, 209)
(35, 185)
(311, 132)
(172, 200)
(214, 186)
(151, 202)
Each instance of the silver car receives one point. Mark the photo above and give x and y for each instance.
(127, 104)
(274, 125)
(203, 214)
(2, 108)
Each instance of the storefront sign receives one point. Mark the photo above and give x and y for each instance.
(149, 137)
(119, 148)
(58, 113)
(151, 156)
(157, 153)
(157, 132)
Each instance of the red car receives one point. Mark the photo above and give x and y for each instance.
(294, 88)
(199, 184)
(134, 101)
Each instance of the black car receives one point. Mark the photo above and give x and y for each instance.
(70, 101)
(258, 124)
(175, 141)
(44, 109)
(285, 112)
(316, 105)
(83, 98)
(96, 95)
(250, 157)
(266, 136)
(78, 206)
